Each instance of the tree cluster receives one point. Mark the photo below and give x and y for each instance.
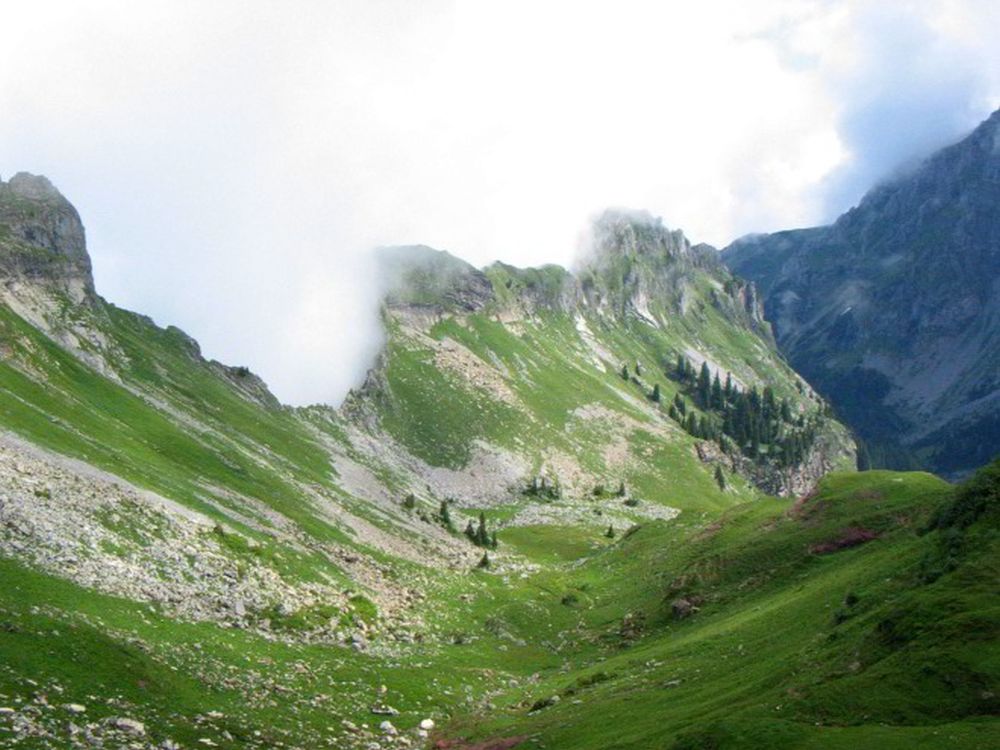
(755, 421)
(542, 488)
(479, 535)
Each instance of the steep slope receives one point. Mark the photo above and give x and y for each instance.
(893, 311)
(187, 563)
(503, 377)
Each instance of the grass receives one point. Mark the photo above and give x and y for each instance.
(775, 656)
(862, 615)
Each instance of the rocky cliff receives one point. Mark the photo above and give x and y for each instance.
(892, 312)
(41, 237)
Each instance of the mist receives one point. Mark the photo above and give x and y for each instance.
(234, 163)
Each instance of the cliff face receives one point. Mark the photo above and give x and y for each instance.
(893, 311)
(42, 238)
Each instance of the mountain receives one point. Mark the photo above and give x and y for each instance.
(518, 372)
(501, 539)
(893, 311)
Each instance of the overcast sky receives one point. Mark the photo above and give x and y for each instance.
(234, 161)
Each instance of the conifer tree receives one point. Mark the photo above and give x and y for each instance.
(704, 384)
(470, 531)
(610, 533)
(482, 537)
(445, 515)
(493, 540)
(679, 403)
(692, 425)
(720, 478)
(484, 561)
(656, 392)
(717, 399)
(730, 390)
(786, 410)
(624, 372)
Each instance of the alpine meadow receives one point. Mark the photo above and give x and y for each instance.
(667, 495)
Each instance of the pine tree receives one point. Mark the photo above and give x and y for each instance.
(730, 390)
(673, 413)
(692, 425)
(624, 372)
(679, 403)
(493, 540)
(470, 531)
(656, 392)
(482, 537)
(484, 561)
(769, 406)
(717, 399)
(681, 369)
(445, 516)
(621, 489)
(410, 502)
(704, 384)
(610, 533)
(720, 478)
(786, 410)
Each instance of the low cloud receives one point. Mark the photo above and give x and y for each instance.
(235, 162)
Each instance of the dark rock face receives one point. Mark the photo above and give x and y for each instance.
(893, 312)
(41, 235)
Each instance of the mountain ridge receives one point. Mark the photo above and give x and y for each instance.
(891, 311)
(512, 531)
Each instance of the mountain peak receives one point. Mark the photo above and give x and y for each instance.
(33, 187)
(891, 310)
(42, 239)
(629, 232)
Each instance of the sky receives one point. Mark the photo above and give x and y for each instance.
(235, 162)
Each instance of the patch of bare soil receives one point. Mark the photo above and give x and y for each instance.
(852, 536)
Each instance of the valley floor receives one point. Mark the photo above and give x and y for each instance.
(824, 623)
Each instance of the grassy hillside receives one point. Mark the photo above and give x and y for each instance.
(188, 563)
(804, 634)
(798, 640)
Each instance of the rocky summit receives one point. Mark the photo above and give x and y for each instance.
(892, 312)
(589, 508)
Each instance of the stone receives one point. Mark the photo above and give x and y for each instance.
(131, 726)
(682, 608)
(75, 708)
(388, 728)
(427, 724)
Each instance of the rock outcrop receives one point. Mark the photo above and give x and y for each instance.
(42, 238)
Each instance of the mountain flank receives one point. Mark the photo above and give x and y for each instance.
(893, 311)
(582, 509)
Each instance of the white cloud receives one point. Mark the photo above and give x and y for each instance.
(234, 160)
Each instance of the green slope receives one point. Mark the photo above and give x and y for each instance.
(792, 645)
(490, 381)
